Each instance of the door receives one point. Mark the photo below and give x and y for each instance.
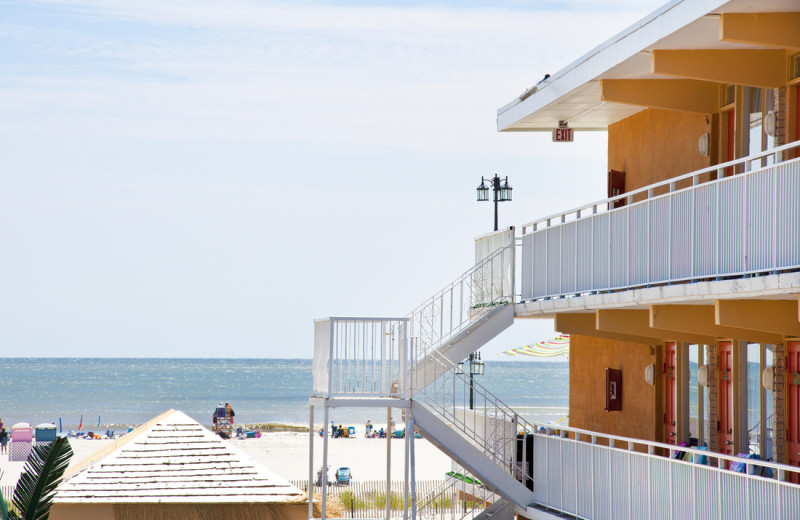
(670, 393)
(793, 402)
(725, 376)
(616, 186)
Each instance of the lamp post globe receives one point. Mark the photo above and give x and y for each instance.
(501, 192)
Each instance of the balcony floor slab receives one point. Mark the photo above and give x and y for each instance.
(784, 286)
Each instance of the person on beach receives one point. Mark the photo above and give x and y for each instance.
(3, 439)
(229, 412)
(219, 410)
(333, 429)
(368, 429)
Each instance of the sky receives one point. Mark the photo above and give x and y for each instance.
(204, 179)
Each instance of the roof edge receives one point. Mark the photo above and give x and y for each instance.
(642, 34)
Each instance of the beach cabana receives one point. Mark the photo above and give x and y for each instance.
(170, 468)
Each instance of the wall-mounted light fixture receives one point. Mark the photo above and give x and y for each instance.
(649, 374)
(769, 123)
(702, 375)
(702, 145)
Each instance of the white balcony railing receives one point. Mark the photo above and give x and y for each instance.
(361, 357)
(730, 227)
(587, 479)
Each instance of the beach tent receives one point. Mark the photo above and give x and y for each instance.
(171, 468)
(559, 346)
(21, 442)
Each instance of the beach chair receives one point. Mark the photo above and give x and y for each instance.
(343, 477)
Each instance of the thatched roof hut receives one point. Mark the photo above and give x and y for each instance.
(174, 468)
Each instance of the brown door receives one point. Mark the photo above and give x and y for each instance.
(725, 397)
(793, 403)
(616, 186)
(670, 387)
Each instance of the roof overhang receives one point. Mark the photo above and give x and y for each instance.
(675, 58)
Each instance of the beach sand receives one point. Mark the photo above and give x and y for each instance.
(286, 453)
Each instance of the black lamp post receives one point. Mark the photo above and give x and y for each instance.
(476, 368)
(502, 193)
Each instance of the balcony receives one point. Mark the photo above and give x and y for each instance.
(594, 475)
(740, 226)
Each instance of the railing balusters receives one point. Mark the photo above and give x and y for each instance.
(727, 261)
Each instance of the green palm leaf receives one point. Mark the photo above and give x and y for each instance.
(42, 473)
(3, 506)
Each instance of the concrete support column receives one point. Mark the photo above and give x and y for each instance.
(741, 441)
(713, 402)
(780, 116)
(682, 392)
(778, 403)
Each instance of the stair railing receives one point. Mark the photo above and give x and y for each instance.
(483, 287)
(492, 426)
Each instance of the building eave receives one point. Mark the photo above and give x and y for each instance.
(574, 94)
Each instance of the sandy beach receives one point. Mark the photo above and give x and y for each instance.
(286, 453)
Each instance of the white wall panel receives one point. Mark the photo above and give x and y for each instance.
(705, 230)
(619, 248)
(600, 251)
(569, 236)
(680, 234)
(788, 214)
(731, 225)
(659, 238)
(638, 252)
(759, 188)
(585, 480)
(554, 260)
(584, 255)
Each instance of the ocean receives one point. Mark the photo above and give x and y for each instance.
(120, 393)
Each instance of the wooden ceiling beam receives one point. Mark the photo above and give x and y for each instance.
(780, 30)
(686, 95)
(767, 68)
(583, 324)
(701, 319)
(637, 322)
(775, 316)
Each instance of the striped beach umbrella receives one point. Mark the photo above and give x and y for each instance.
(558, 346)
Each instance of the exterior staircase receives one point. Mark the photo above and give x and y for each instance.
(445, 329)
(419, 362)
(455, 444)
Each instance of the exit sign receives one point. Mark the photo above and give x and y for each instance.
(563, 135)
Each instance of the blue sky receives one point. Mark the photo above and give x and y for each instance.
(203, 179)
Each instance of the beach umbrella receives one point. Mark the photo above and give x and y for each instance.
(558, 346)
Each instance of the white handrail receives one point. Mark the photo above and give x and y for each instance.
(648, 191)
(466, 300)
(491, 425)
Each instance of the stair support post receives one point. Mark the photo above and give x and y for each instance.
(412, 463)
(324, 463)
(407, 439)
(311, 462)
(388, 464)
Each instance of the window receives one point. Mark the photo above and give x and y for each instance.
(759, 105)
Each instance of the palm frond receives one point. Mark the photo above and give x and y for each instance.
(3, 506)
(42, 473)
